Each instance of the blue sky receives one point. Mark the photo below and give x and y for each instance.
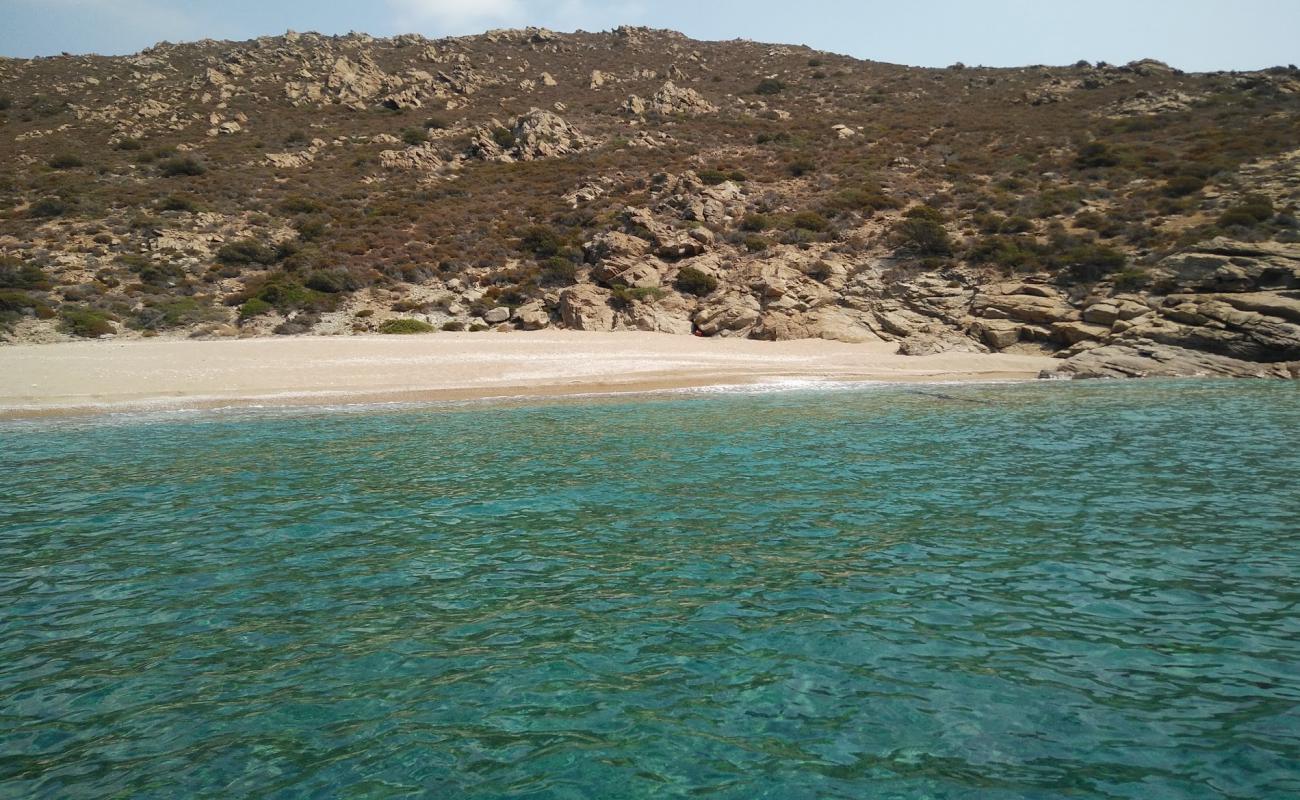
(1191, 34)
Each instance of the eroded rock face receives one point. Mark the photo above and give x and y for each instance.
(1024, 308)
(1224, 265)
(1146, 359)
(830, 323)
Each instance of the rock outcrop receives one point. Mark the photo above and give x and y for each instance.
(537, 134)
(671, 99)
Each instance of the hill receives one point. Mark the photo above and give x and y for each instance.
(1132, 219)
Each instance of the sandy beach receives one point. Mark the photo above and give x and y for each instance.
(99, 376)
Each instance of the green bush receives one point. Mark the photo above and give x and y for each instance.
(414, 136)
(287, 294)
(12, 300)
(1131, 279)
(173, 313)
(128, 144)
(692, 281)
(87, 323)
(810, 221)
(921, 230)
(181, 166)
(16, 275)
(769, 86)
(405, 325)
(1016, 225)
(755, 223)
(452, 325)
(800, 166)
(1183, 185)
(624, 296)
(297, 204)
(246, 251)
(330, 281)
(541, 241)
(161, 275)
(177, 202)
(254, 307)
(558, 271)
(861, 199)
(437, 122)
(1089, 262)
(504, 137)
(48, 207)
(1097, 154)
(66, 161)
(1251, 211)
(1010, 253)
(310, 228)
(756, 244)
(712, 177)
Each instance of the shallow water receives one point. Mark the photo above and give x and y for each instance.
(1039, 591)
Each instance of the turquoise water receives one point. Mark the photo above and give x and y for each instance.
(1035, 591)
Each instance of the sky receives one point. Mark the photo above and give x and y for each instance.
(1195, 35)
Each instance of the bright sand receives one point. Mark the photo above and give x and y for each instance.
(83, 377)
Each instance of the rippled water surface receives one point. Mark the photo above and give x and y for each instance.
(1046, 591)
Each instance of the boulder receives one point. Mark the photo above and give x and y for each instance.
(1101, 314)
(928, 344)
(727, 314)
(650, 317)
(497, 315)
(586, 308)
(998, 334)
(614, 244)
(532, 316)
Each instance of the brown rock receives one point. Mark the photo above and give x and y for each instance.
(586, 308)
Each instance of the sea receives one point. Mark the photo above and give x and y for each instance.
(1030, 590)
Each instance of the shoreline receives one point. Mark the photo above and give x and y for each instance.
(102, 377)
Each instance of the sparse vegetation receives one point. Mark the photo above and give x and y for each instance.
(88, 323)
(965, 175)
(183, 166)
(66, 161)
(405, 325)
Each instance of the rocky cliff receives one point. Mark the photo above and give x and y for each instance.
(1133, 220)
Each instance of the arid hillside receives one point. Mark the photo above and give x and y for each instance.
(1132, 219)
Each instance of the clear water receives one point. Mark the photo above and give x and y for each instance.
(1034, 591)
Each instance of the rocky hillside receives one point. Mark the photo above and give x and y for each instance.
(1132, 219)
